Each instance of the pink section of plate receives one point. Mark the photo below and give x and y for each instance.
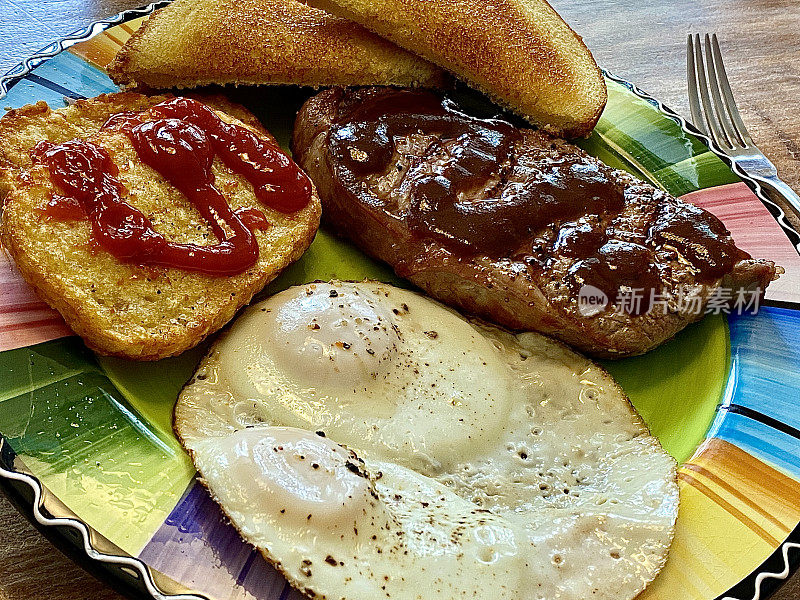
(26, 320)
(755, 230)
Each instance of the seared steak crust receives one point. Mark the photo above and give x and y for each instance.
(513, 225)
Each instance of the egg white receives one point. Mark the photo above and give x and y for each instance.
(373, 443)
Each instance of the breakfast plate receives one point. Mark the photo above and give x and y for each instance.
(87, 449)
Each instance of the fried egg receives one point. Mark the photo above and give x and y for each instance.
(372, 443)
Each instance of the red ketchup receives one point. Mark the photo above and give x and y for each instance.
(180, 145)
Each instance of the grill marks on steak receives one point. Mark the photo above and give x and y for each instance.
(483, 188)
(510, 223)
(463, 184)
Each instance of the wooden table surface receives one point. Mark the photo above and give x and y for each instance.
(643, 42)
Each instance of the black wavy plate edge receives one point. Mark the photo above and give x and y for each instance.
(754, 580)
(15, 74)
(50, 524)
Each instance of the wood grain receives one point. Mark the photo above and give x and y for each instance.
(643, 42)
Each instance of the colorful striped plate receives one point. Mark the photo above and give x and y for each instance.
(87, 450)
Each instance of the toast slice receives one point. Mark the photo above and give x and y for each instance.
(119, 308)
(23, 128)
(519, 52)
(193, 43)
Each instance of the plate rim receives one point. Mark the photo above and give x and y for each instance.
(775, 570)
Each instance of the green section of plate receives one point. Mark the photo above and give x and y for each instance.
(75, 431)
(677, 386)
(635, 132)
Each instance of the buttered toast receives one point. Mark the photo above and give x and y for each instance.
(23, 128)
(192, 43)
(121, 308)
(519, 52)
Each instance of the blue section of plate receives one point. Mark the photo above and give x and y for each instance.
(760, 412)
(55, 80)
(765, 348)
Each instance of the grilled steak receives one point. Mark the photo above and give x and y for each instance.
(513, 225)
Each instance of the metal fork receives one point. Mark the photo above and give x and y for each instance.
(715, 114)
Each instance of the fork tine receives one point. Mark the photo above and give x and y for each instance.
(693, 85)
(719, 105)
(703, 84)
(730, 103)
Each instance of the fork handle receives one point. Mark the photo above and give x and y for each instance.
(778, 187)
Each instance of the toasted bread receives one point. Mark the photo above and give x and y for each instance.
(198, 42)
(22, 128)
(519, 52)
(122, 309)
